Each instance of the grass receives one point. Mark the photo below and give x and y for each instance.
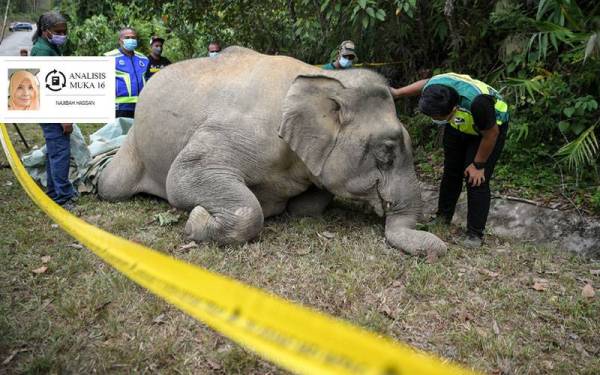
(476, 307)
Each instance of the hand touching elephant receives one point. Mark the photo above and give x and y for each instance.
(242, 136)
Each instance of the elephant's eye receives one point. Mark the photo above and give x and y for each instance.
(385, 153)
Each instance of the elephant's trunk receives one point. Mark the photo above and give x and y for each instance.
(400, 233)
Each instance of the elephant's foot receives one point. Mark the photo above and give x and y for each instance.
(416, 242)
(226, 226)
(310, 203)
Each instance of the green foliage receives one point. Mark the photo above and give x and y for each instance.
(582, 151)
(542, 55)
(595, 200)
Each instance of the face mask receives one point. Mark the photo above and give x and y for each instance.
(213, 54)
(130, 44)
(345, 63)
(157, 50)
(57, 40)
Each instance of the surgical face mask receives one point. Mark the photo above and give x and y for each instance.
(157, 50)
(57, 40)
(130, 44)
(213, 54)
(345, 63)
(440, 122)
(447, 120)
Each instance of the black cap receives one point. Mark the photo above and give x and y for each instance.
(154, 38)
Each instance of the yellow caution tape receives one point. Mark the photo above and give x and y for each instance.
(292, 336)
(368, 64)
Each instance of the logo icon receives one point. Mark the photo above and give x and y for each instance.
(55, 80)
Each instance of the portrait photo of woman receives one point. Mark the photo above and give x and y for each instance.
(23, 92)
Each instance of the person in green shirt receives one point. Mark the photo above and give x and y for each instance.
(346, 55)
(48, 40)
(50, 36)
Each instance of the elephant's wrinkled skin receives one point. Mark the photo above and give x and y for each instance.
(241, 137)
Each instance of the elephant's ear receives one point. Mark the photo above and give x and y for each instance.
(313, 114)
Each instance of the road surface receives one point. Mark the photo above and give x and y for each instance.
(14, 41)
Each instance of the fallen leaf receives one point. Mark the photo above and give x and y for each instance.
(588, 291)
(159, 319)
(579, 347)
(487, 272)
(328, 235)
(40, 270)
(302, 250)
(465, 316)
(548, 364)
(75, 245)
(213, 365)
(54, 226)
(103, 305)
(540, 285)
(187, 246)
(386, 310)
(13, 354)
(166, 218)
(93, 219)
(8, 183)
(46, 258)
(595, 272)
(496, 328)
(481, 332)
(46, 302)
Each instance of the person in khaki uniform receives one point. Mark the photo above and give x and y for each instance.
(346, 55)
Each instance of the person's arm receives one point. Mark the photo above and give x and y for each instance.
(147, 73)
(484, 117)
(67, 128)
(487, 144)
(410, 90)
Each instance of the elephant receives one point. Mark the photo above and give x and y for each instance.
(238, 138)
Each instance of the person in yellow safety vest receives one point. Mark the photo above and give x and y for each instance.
(131, 67)
(475, 118)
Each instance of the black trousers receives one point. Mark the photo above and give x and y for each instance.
(459, 151)
(119, 113)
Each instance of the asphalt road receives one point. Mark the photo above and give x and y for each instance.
(14, 41)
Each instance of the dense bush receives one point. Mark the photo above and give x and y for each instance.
(541, 54)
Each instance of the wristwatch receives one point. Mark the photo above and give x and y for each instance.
(479, 165)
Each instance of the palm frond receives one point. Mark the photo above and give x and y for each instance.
(582, 151)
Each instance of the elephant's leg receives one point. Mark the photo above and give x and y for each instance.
(223, 209)
(312, 202)
(125, 176)
(121, 177)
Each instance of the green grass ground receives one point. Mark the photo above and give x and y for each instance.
(476, 307)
